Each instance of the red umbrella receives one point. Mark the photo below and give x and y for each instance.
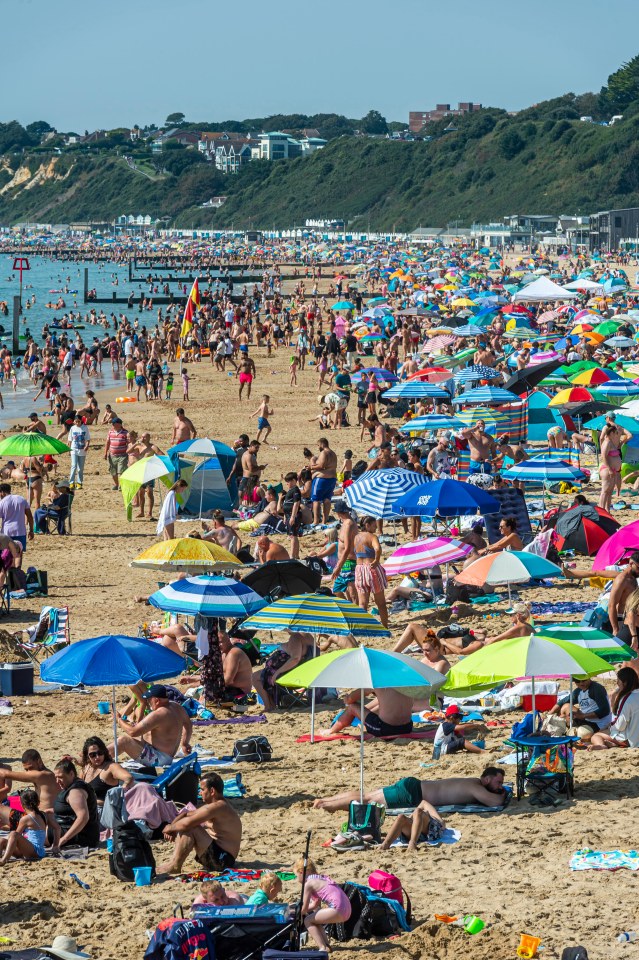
(583, 528)
(431, 375)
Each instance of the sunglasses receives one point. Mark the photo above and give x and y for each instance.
(96, 753)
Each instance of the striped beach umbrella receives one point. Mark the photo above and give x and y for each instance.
(316, 614)
(186, 553)
(438, 343)
(608, 648)
(486, 395)
(424, 554)
(571, 397)
(432, 421)
(376, 491)
(616, 389)
(208, 597)
(475, 373)
(593, 377)
(507, 567)
(542, 469)
(414, 390)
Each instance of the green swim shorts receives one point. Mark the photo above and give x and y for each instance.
(407, 792)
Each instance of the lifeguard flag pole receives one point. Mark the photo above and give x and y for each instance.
(192, 304)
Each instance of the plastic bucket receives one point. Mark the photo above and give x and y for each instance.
(104, 707)
(142, 876)
(473, 924)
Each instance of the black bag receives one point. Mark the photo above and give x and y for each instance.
(130, 849)
(366, 818)
(350, 928)
(253, 750)
(37, 582)
(574, 953)
(378, 919)
(184, 789)
(16, 579)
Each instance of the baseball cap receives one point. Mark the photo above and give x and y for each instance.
(452, 710)
(340, 506)
(155, 690)
(116, 420)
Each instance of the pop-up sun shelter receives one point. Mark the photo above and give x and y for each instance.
(208, 490)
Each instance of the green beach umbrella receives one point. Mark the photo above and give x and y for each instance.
(599, 642)
(31, 444)
(608, 327)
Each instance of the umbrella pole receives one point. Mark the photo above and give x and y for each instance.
(313, 702)
(533, 700)
(115, 725)
(571, 718)
(361, 748)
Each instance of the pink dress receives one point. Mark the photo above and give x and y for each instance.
(333, 896)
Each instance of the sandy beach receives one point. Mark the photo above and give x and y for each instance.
(511, 869)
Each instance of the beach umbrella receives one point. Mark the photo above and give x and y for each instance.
(593, 377)
(486, 395)
(542, 470)
(343, 305)
(316, 614)
(432, 421)
(149, 469)
(469, 330)
(31, 444)
(531, 376)
(533, 657)
(445, 498)
(186, 553)
(616, 389)
(111, 661)
(377, 491)
(599, 642)
(424, 554)
(507, 567)
(431, 374)
(283, 578)
(570, 397)
(631, 424)
(208, 596)
(386, 375)
(583, 528)
(566, 342)
(619, 341)
(608, 328)
(414, 390)
(365, 669)
(476, 372)
(618, 547)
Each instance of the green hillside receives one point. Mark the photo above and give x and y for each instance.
(491, 164)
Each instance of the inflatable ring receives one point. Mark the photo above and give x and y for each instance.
(125, 400)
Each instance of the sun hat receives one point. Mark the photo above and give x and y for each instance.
(66, 948)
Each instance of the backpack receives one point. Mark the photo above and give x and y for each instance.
(37, 581)
(351, 928)
(390, 887)
(130, 849)
(574, 953)
(378, 919)
(253, 750)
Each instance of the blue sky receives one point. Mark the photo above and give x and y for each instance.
(85, 65)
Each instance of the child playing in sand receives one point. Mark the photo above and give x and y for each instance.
(324, 419)
(270, 887)
(26, 842)
(323, 902)
(213, 893)
(263, 412)
(449, 737)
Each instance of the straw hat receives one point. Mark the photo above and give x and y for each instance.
(66, 948)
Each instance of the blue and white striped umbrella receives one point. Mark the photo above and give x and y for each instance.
(540, 469)
(616, 388)
(432, 421)
(376, 491)
(487, 395)
(208, 596)
(414, 389)
(387, 376)
(469, 330)
(476, 372)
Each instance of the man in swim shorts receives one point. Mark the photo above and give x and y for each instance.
(246, 373)
(344, 572)
(155, 740)
(487, 789)
(324, 471)
(214, 831)
(388, 715)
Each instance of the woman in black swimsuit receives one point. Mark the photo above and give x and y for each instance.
(100, 770)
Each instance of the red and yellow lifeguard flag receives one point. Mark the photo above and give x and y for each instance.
(192, 304)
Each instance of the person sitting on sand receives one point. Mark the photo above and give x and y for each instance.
(298, 648)
(270, 887)
(418, 586)
(450, 735)
(487, 789)
(46, 787)
(267, 550)
(624, 703)
(100, 771)
(388, 715)
(220, 533)
(214, 831)
(509, 540)
(214, 894)
(323, 902)
(424, 824)
(155, 740)
(26, 841)
(76, 808)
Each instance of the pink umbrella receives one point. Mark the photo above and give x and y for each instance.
(438, 343)
(620, 545)
(424, 554)
(544, 357)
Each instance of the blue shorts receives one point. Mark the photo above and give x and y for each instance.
(322, 489)
(262, 423)
(480, 466)
(21, 540)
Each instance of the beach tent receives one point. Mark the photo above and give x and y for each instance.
(208, 490)
(541, 417)
(541, 290)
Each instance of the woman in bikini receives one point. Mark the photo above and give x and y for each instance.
(33, 477)
(612, 439)
(370, 577)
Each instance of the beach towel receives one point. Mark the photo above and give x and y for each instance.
(605, 860)
(258, 718)
(561, 606)
(448, 837)
(217, 762)
(457, 807)
(415, 735)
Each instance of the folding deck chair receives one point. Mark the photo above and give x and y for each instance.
(48, 635)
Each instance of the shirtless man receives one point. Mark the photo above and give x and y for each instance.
(214, 831)
(221, 534)
(343, 578)
(145, 448)
(388, 714)
(488, 789)
(238, 670)
(251, 470)
(45, 786)
(324, 471)
(183, 429)
(482, 448)
(35, 424)
(159, 734)
(385, 458)
(247, 374)
(268, 550)
(625, 583)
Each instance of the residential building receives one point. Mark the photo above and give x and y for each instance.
(230, 155)
(615, 229)
(532, 225)
(311, 144)
(420, 118)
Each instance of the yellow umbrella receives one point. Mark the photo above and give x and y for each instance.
(463, 302)
(187, 553)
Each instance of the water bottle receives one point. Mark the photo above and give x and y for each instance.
(628, 937)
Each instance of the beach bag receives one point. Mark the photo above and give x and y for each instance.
(130, 850)
(16, 580)
(574, 953)
(350, 928)
(366, 818)
(554, 726)
(37, 581)
(378, 919)
(253, 750)
(391, 887)
(528, 726)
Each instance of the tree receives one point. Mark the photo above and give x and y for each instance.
(38, 128)
(373, 122)
(622, 89)
(13, 137)
(511, 143)
(175, 119)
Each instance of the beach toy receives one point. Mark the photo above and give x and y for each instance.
(109, 845)
(80, 883)
(125, 400)
(528, 946)
(104, 707)
(473, 924)
(142, 876)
